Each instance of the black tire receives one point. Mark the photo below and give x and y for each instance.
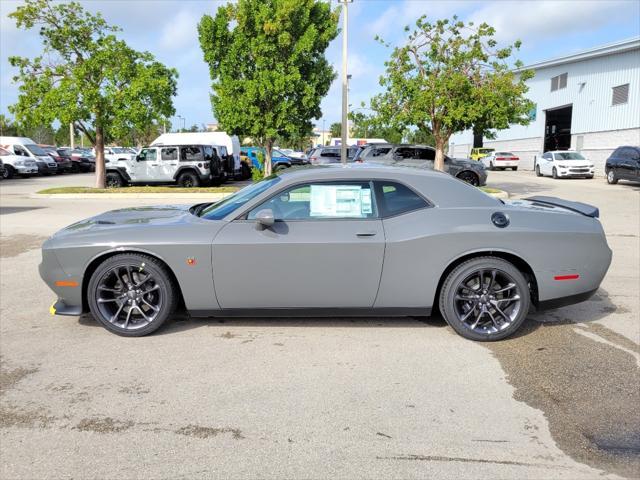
(75, 168)
(491, 166)
(188, 180)
(161, 287)
(612, 178)
(245, 171)
(448, 302)
(514, 168)
(114, 180)
(590, 177)
(280, 166)
(9, 172)
(469, 177)
(538, 174)
(554, 173)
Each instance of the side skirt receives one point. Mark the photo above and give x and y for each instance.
(313, 312)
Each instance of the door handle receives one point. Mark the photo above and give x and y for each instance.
(366, 234)
(155, 164)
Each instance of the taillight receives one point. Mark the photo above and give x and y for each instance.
(313, 159)
(515, 158)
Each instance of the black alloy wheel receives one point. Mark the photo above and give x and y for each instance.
(469, 177)
(485, 299)
(132, 294)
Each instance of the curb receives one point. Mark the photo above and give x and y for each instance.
(208, 196)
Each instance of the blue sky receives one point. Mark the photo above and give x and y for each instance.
(167, 28)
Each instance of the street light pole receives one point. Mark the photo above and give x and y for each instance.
(345, 80)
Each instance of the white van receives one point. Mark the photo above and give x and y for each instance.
(27, 148)
(215, 139)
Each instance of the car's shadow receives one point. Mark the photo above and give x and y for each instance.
(596, 308)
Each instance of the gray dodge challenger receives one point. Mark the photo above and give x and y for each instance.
(356, 240)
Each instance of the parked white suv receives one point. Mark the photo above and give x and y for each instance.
(17, 165)
(186, 165)
(563, 164)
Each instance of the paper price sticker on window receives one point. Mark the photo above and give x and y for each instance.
(340, 201)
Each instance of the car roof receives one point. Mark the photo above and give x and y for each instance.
(360, 170)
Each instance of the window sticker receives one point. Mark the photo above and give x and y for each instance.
(340, 201)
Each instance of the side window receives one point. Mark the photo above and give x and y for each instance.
(547, 156)
(379, 152)
(425, 154)
(208, 153)
(190, 154)
(318, 201)
(20, 151)
(395, 199)
(147, 155)
(169, 153)
(330, 153)
(405, 153)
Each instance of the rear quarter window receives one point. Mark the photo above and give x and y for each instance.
(395, 199)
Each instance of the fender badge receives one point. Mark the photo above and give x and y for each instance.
(191, 261)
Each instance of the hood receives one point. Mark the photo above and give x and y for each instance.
(152, 215)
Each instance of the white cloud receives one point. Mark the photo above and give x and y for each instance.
(180, 31)
(545, 20)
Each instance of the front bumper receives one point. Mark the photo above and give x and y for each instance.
(23, 170)
(67, 288)
(61, 308)
(47, 168)
(576, 172)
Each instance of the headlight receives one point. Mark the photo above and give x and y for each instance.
(562, 166)
(591, 166)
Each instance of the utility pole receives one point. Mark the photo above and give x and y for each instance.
(71, 136)
(345, 81)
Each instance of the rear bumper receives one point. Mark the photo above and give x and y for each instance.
(564, 301)
(506, 163)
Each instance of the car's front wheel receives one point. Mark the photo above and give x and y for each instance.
(132, 294)
(485, 299)
(469, 177)
(8, 172)
(612, 178)
(554, 173)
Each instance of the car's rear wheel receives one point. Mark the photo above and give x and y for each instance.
(114, 180)
(132, 294)
(612, 178)
(469, 177)
(485, 299)
(554, 173)
(188, 180)
(538, 172)
(514, 169)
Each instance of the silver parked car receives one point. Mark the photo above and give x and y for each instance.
(356, 240)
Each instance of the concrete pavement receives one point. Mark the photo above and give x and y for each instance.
(317, 398)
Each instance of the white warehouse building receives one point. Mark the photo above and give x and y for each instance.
(589, 102)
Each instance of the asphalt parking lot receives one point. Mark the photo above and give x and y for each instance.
(318, 398)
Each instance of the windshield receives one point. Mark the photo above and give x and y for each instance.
(224, 207)
(119, 150)
(485, 150)
(568, 156)
(36, 150)
(278, 153)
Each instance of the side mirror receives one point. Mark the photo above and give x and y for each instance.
(138, 158)
(265, 219)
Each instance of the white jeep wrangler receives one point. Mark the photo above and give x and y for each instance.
(186, 165)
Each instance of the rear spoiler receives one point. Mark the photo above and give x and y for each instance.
(578, 207)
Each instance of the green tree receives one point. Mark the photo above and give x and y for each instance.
(7, 127)
(335, 130)
(267, 64)
(86, 75)
(374, 126)
(450, 75)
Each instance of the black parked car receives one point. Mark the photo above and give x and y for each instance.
(65, 165)
(623, 164)
(80, 162)
(325, 155)
(423, 156)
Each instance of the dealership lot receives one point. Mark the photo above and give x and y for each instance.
(347, 398)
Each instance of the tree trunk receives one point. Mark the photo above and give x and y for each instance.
(440, 145)
(268, 148)
(477, 137)
(100, 170)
